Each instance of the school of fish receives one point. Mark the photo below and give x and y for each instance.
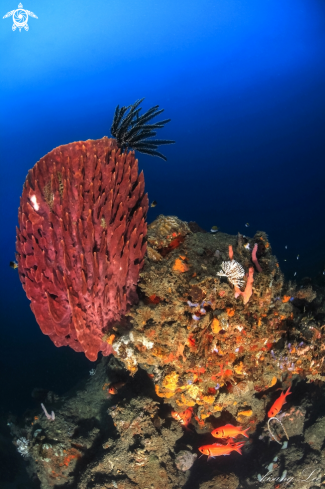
(227, 432)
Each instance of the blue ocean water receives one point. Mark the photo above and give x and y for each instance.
(243, 82)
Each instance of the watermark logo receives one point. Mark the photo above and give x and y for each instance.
(20, 18)
(306, 475)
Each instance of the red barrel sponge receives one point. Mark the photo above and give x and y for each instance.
(81, 241)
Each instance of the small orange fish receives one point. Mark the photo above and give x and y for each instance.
(229, 431)
(277, 406)
(248, 413)
(217, 449)
(113, 388)
(184, 417)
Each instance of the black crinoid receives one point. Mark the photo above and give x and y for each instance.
(132, 131)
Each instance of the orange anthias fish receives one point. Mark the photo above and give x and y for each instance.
(277, 406)
(229, 431)
(217, 449)
(113, 388)
(184, 417)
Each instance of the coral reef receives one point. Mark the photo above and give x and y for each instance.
(80, 242)
(98, 440)
(203, 353)
(131, 441)
(219, 353)
(205, 345)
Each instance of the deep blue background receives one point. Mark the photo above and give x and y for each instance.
(244, 84)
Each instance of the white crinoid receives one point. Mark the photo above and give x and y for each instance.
(233, 271)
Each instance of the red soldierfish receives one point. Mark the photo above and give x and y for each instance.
(277, 406)
(229, 431)
(184, 417)
(217, 449)
(113, 388)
